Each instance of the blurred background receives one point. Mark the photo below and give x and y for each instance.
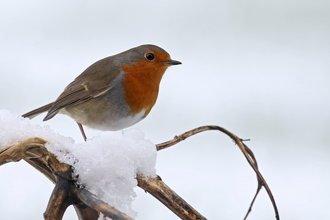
(257, 68)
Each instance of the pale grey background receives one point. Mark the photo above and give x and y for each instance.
(258, 68)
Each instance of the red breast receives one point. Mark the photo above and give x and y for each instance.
(142, 79)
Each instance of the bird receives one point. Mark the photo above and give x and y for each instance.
(113, 93)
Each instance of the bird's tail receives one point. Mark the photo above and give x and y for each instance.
(38, 111)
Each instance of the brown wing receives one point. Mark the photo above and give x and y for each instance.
(38, 111)
(94, 81)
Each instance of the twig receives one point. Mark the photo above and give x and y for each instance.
(245, 150)
(95, 203)
(168, 197)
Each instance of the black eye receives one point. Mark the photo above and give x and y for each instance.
(150, 56)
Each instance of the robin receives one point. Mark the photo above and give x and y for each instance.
(113, 93)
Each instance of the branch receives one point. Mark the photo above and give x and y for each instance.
(245, 150)
(97, 204)
(66, 191)
(88, 206)
(168, 197)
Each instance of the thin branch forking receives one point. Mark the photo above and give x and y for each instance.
(245, 150)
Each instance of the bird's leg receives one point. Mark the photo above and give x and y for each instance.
(82, 131)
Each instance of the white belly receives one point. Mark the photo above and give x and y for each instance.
(105, 122)
(119, 123)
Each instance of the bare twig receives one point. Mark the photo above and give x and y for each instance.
(92, 201)
(245, 150)
(169, 198)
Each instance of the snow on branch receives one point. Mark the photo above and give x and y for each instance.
(95, 177)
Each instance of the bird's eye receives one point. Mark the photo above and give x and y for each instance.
(150, 56)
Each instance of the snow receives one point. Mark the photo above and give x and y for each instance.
(107, 164)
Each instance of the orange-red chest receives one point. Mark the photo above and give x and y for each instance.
(141, 85)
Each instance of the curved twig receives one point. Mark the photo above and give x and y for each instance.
(245, 150)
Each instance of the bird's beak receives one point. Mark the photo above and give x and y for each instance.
(172, 62)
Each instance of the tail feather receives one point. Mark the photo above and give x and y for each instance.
(38, 111)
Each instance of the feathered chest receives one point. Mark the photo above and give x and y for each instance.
(141, 86)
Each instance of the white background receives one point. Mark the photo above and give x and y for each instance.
(258, 68)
